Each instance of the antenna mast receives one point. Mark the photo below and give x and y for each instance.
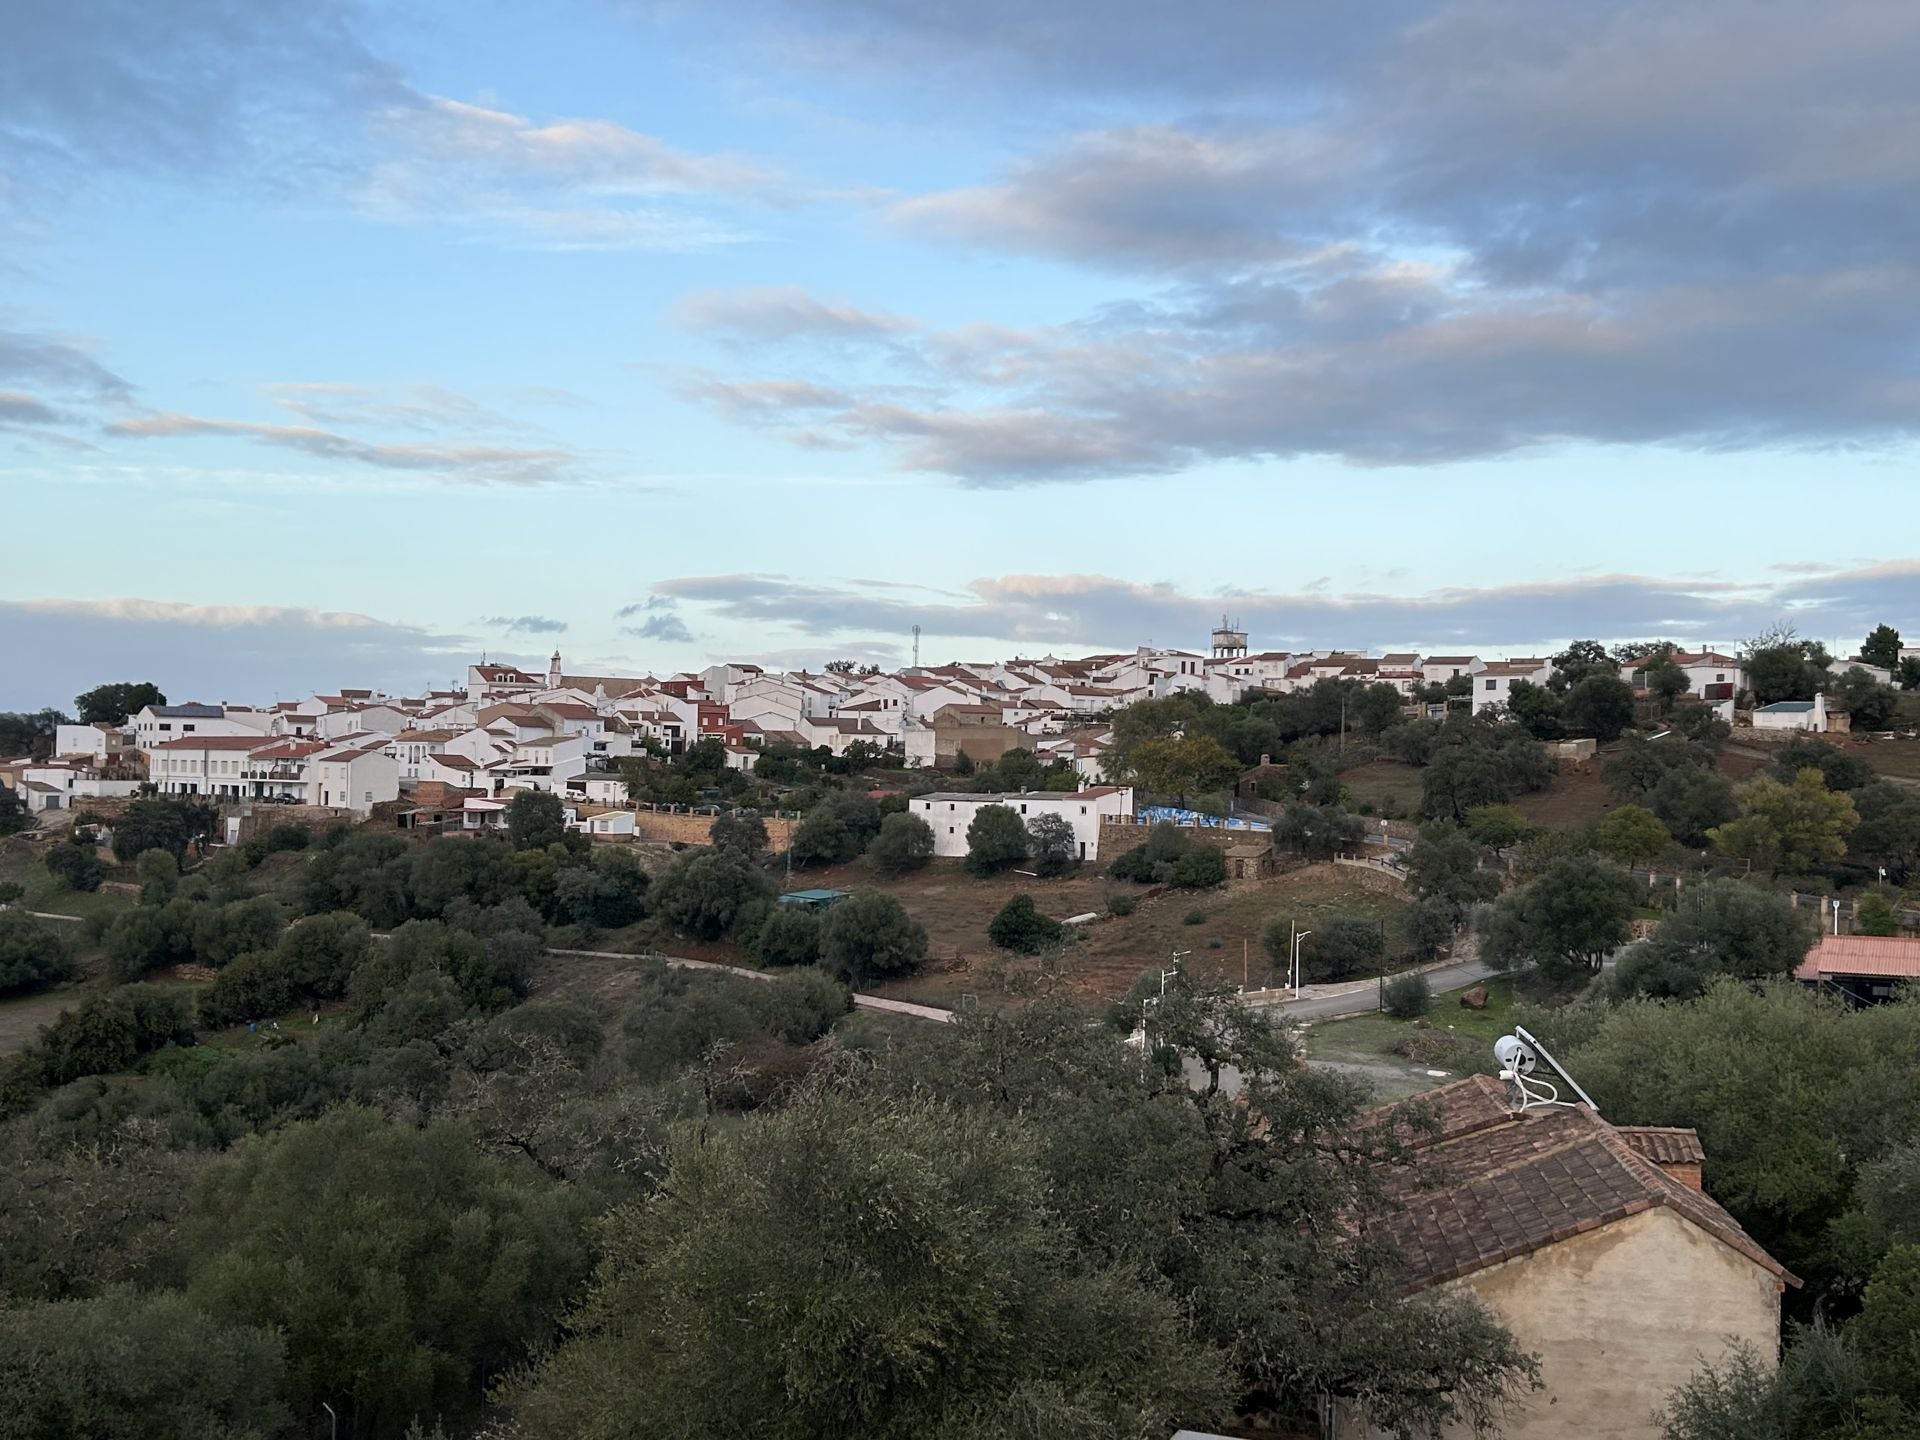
(916, 647)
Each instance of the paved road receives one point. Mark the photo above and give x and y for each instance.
(865, 1002)
(1362, 997)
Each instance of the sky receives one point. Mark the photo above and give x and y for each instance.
(344, 343)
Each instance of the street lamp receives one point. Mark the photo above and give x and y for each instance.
(1299, 937)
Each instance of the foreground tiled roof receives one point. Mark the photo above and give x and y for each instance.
(1494, 1186)
(1665, 1144)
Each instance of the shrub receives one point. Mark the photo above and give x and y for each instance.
(159, 876)
(905, 843)
(1201, 867)
(996, 840)
(1022, 928)
(254, 986)
(704, 894)
(1408, 995)
(287, 837)
(76, 866)
(1051, 841)
(791, 936)
(1342, 947)
(1194, 917)
(150, 938)
(802, 1007)
(31, 955)
(870, 936)
(1122, 903)
(742, 832)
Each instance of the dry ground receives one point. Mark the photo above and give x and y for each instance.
(1389, 786)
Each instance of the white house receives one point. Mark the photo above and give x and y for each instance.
(1439, 669)
(1793, 715)
(1711, 676)
(355, 777)
(602, 823)
(216, 765)
(949, 813)
(157, 724)
(1493, 682)
(82, 742)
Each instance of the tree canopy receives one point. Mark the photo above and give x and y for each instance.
(115, 703)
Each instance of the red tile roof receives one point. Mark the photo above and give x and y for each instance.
(1495, 1186)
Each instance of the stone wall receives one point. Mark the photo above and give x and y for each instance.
(1119, 836)
(683, 828)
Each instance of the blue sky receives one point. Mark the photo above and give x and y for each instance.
(341, 342)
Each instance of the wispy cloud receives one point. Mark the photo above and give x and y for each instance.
(585, 184)
(657, 620)
(782, 312)
(525, 624)
(470, 464)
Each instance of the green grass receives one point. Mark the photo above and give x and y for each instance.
(1368, 1040)
(44, 892)
(1892, 757)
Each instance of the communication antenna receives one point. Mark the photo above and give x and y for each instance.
(1520, 1055)
(916, 647)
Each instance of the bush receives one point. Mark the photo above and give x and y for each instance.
(1341, 948)
(150, 938)
(1050, 840)
(221, 933)
(31, 955)
(905, 843)
(77, 867)
(870, 936)
(996, 840)
(254, 986)
(802, 1007)
(705, 893)
(1201, 867)
(1408, 995)
(159, 875)
(1122, 903)
(1194, 917)
(1022, 928)
(287, 837)
(791, 936)
(742, 832)
(1152, 861)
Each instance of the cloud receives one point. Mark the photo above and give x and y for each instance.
(525, 624)
(660, 623)
(1101, 611)
(1385, 363)
(19, 409)
(60, 364)
(1404, 234)
(781, 312)
(667, 629)
(180, 86)
(570, 184)
(470, 464)
(211, 652)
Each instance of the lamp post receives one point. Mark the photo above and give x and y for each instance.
(1299, 938)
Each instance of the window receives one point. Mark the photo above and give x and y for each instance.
(1083, 809)
(1492, 684)
(1023, 809)
(185, 728)
(949, 829)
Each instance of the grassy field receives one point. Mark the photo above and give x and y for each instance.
(1388, 786)
(1459, 1041)
(22, 865)
(21, 1018)
(1113, 950)
(1898, 758)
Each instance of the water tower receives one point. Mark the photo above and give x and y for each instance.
(1229, 641)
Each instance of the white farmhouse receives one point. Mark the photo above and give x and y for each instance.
(949, 813)
(1493, 682)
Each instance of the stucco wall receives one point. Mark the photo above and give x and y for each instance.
(1620, 1317)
